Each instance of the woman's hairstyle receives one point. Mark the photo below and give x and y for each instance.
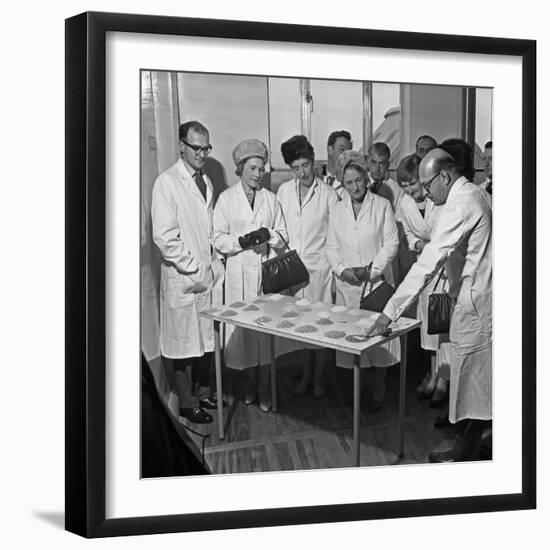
(297, 147)
(239, 169)
(408, 169)
(356, 166)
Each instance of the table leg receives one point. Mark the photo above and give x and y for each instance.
(402, 394)
(219, 389)
(273, 370)
(356, 406)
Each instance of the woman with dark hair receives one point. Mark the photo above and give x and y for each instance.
(306, 203)
(362, 232)
(418, 226)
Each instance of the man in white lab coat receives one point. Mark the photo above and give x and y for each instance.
(380, 183)
(338, 142)
(464, 228)
(191, 272)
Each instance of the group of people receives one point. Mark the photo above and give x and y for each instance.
(349, 223)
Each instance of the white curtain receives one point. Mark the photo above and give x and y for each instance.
(159, 150)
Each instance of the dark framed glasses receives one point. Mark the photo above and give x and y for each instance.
(427, 184)
(197, 148)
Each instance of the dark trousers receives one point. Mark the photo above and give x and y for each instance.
(189, 371)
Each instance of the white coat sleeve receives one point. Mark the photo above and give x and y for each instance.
(278, 228)
(448, 234)
(166, 231)
(332, 249)
(225, 242)
(414, 225)
(390, 246)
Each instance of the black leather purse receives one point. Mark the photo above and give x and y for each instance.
(284, 271)
(376, 299)
(440, 309)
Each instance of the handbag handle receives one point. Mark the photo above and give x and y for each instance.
(284, 240)
(368, 268)
(439, 278)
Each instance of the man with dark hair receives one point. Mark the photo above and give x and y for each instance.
(191, 271)
(464, 230)
(424, 144)
(338, 142)
(487, 184)
(462, 153)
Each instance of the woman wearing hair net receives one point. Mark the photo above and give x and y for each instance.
(247, 227)
(362, 231)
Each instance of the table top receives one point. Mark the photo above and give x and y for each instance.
(326, 325)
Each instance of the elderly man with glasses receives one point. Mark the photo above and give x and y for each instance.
(191, 272)
(464, 230)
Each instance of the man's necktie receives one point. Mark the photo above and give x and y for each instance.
(330, 180)
(201, 184)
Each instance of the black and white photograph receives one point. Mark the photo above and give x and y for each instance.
(316, 273)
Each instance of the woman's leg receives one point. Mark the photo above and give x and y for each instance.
(251, 390)
(307, 369)
(264, 387)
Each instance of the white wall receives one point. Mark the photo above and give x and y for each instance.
(32, 229)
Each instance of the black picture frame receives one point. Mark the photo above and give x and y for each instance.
(86, 267)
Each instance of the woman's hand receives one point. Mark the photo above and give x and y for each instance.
(350, 277)
(361, 272)
(419, 246)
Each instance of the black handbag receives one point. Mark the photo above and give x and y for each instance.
(440, 309)
(284, 271)
(377, 298)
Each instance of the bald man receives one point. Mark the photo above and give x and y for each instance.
(464, 231)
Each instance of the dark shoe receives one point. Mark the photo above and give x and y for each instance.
(465, 448)
(439, 397)
(425, 395)
(374, 405)
(442, 422)
(196, 415)
(435, 403)
(210, 403)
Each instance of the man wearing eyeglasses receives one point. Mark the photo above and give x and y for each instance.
(464, 230)
(191, 271)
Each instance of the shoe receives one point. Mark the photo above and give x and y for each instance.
(250, 397)
(374, 405)
(196, 415)
(319, 391)
(438, 398)
(442, 422)
(425, 395)
(465, 448)
(435, 403)
(210, 403)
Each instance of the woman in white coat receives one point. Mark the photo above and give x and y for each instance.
(306, 203)
(362, 231)
(418, 225)
(247, 226)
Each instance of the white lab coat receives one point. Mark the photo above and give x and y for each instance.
(233, 218)
(404, 207)
(191, 272)
(307, 227)
(464, 228)
(357, 243)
